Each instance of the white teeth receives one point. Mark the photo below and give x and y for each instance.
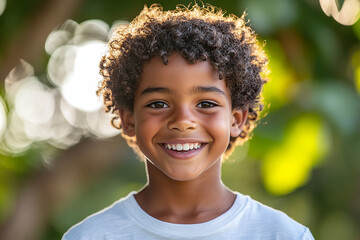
(183, 147)
(179, 147)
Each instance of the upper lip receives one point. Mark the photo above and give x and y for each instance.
(183, 141)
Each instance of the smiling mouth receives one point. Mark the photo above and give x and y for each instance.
(183, 147)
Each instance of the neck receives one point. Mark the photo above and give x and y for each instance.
(193, 201)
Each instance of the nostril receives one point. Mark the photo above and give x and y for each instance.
(182, 119)
(182, 125)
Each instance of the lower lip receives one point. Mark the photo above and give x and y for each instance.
(182, 155)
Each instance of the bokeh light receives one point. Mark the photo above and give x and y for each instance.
(61, 63)
(281, 86)
(302, 158)
(34, 102)
(338, 102)
(76, 50)
(357, 79)
(288, 166)
(98, 124)
(15, 140)
(3, 121)
(268, 16)
(66, 109)
(56, 39)
(80, 85)
(356, 66)
(347, 14)
(2, 6)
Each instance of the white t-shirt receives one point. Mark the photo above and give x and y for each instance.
(247, 219)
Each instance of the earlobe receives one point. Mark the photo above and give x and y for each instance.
(127, 122)
(239, 117)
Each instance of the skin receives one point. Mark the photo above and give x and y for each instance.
(183, 103)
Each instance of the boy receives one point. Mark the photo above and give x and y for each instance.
(186, 86)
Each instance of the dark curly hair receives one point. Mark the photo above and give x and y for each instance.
(198, 34)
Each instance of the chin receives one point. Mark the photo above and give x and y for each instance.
(182, 177)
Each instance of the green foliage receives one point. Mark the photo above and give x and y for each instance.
(304, 154)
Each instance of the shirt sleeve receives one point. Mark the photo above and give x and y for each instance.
(307, 235)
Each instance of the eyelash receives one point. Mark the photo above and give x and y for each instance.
(210, 104)
(153, 104)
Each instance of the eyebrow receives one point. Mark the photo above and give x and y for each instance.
(155, 90)
(198, 89)
(201, 89)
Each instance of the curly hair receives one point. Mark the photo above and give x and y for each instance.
(198, 34)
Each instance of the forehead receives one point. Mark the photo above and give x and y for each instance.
(178, 72)
(176, 63)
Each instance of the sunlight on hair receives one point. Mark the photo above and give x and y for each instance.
(3, 120)
(2, 6)
(288, 166)
(347, 14)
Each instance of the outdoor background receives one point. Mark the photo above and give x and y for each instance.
(60, 160)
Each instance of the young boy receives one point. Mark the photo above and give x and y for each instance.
(186, 86)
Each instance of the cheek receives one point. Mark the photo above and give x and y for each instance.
(146, 128)
(219, 127)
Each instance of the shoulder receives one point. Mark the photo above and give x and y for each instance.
(102, 223)
(271, 222)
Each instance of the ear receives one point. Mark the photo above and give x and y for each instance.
(239, 117)
(127, 122)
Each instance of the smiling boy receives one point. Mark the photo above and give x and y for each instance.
(186, 85)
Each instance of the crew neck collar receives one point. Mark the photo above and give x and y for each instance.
(162, 228)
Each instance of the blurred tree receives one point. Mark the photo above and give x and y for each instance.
(303, 158)
(30, 30)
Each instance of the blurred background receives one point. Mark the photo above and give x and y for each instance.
(60, 160)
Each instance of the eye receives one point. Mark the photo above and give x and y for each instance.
(157, 104)
(207, 104)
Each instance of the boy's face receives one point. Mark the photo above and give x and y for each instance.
(182, 117)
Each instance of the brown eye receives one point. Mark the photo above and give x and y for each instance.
(206, 104)
(158, 104)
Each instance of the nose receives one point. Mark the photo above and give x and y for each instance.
(182, 120)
